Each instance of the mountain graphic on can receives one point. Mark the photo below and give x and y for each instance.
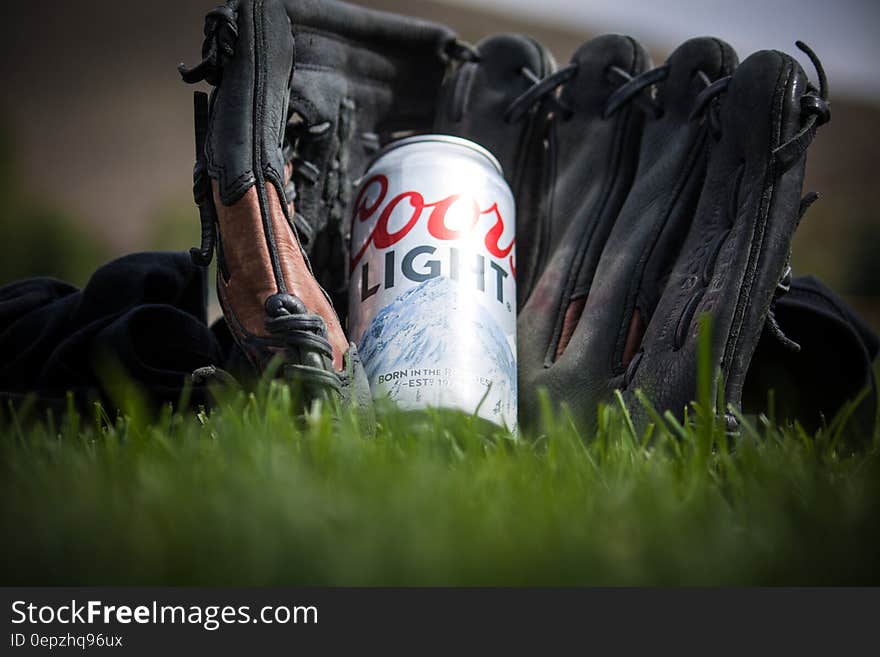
(432, 292)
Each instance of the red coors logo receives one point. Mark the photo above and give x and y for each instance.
(437, 227)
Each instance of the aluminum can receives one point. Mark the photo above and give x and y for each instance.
(432, 290)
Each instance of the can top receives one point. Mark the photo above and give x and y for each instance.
(447, 139)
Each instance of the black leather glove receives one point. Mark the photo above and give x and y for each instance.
(703, 227)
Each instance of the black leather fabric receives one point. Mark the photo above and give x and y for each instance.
(833, 366)
(144, 313)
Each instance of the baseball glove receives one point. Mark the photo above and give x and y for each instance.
(646, 197)
(624, 239)
(305, 93)
(700, 223)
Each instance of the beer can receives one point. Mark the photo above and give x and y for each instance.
(432, 292)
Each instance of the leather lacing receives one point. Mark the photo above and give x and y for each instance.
(708, 102)
(221, 34)
(299, 336)
(815, 106)
(461, 50)
(542, 88)
(300, 133)
(631, 88)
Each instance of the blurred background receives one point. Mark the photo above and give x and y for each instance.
(96, 142)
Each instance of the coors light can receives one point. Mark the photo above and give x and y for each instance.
(432, 293)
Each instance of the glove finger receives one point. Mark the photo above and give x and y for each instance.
(594, 158)
(738, 247)
(475, 99)
(657, 214)
(475, 103)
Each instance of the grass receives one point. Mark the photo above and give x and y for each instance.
(251, 494)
